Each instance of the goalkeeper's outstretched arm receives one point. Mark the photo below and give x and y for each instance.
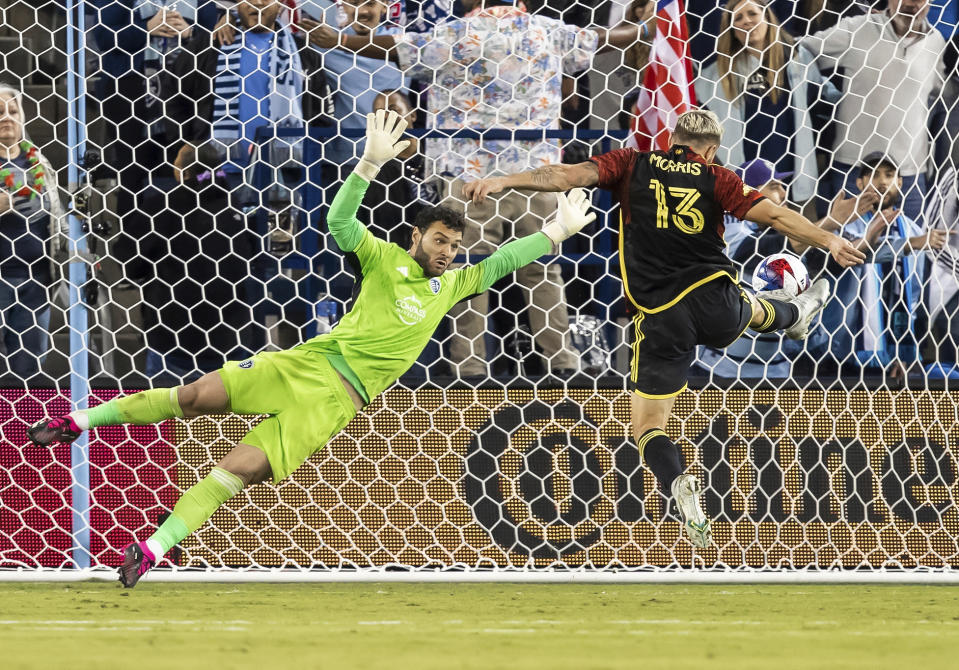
(345, 228)
(383, 132)
(572, 215)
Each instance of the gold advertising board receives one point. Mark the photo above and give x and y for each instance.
(548, 478)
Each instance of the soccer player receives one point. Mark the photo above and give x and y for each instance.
(313, 390)
(676, 275)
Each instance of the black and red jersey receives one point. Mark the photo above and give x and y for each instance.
(672, 205)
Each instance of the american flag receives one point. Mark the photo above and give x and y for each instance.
(668, 85)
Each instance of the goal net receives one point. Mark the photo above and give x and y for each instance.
(167, 169)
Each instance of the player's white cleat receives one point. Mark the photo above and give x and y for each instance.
(809, 304)
(686, 490)
(776, 294)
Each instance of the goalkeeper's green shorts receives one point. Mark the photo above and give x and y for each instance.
(304, 396)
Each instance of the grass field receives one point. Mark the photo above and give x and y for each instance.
(490, 626)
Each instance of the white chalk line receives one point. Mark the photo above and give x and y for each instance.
(449, 622)
(125, 629)
(668, 627)
(124, 625)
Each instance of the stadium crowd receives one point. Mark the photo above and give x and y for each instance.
(845, 110)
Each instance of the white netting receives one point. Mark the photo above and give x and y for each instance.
(506, 445)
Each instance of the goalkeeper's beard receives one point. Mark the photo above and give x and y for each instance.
(425, 261)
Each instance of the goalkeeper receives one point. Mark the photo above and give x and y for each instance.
(312, 391)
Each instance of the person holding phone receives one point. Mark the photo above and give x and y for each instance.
(872, 314)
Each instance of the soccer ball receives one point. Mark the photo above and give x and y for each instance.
(781, 272)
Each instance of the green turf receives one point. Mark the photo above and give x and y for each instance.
(489, 626)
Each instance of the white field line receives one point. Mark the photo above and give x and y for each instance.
(451, 622)
(510, 627)
(489, 631)
(125, 629)
(687, 622)
(120, 622)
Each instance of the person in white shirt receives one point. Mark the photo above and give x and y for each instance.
(892, 67)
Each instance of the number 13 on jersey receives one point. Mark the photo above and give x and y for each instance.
(687, 218)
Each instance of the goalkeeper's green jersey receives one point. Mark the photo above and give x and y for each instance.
(398, 307)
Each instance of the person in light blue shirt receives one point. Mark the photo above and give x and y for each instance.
(258, 74)
(871, 318)
(766, 356)
(357, 80)
(254, 104)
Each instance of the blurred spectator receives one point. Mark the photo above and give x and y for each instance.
(263, 80)
(944, 15)
(196, 311)
(568, 11)
(799, 17)
(265, 77)
(945, 114)
(423, 15)
(760, 87)
(33, 229)
(398, 190)
(811, 16)
(942, 213)
(499, 67)
(355, 80)
(892, 65)
(616, 73)
(138, 41)
(871, 318)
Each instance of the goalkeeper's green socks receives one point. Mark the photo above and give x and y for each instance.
(198, 503)
(140, 409)
(193, 509)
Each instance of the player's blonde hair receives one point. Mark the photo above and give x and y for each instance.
(698, 127)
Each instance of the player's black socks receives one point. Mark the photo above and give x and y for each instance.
(779, 315)
(661, 456)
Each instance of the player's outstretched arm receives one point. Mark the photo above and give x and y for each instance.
(842, 211)
(383, 132)
(547, 178)
(796, 226)
(572, 215)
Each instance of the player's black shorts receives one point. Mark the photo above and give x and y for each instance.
(664, 343)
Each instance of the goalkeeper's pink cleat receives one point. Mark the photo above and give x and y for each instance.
(46, 432)
(137, 561)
